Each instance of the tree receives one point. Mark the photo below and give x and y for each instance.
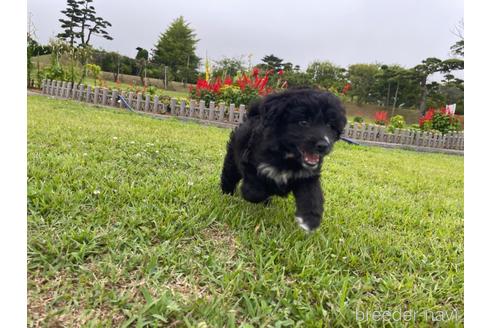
(288, 67)
(81, 23)
(271, 62)
(458, 48)
(114, 63)
(72, 24)
(452, 89)
(327, 74)
(176, 49)
(142, 58)
(228, 66)
(92, 24)
(362, 78)
(296, 79)
(428, 67)
(393, 86)
(404, 89)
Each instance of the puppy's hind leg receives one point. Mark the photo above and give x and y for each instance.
(230, 173)
(253, 191)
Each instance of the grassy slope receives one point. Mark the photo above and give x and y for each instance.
(127, 225)
(135, 87)
(127, 81)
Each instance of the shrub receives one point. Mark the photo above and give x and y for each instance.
(358, 119)
(396, 122)
(55, 72)
(381, 118)
(152, 90)
(240, 90)
(94, 70)
(442, 121)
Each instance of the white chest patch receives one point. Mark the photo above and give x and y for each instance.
(282, 176)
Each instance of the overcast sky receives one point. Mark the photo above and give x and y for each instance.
(344, 32)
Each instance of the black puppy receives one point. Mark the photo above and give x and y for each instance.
(280, 148)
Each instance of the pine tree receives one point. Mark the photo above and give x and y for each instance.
(81, 23)
(91, 24)
(72, 23)
(176, 50)
(272, 62)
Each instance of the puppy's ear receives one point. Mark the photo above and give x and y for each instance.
(338, 122)
(272, 113)
(254, 108)
(335, 113)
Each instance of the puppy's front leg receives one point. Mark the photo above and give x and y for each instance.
(309, 203)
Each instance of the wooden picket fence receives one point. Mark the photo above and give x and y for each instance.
(377, 134)
(102, 96)
(232, 116)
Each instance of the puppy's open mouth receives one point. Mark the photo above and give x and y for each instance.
(310, 159)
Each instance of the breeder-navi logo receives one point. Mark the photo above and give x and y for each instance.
(408, 315)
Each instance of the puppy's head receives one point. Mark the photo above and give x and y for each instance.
(303, 123)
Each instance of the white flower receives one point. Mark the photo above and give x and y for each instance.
(96, 192)
(190, 183)
(115, 138)
(84, 154)
(132, 142)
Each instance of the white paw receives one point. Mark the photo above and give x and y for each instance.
(300, 222)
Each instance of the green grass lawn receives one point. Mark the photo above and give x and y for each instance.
(127, 226)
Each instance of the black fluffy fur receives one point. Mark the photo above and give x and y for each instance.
(275, 149)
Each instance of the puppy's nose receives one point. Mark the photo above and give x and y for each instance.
(322, 146)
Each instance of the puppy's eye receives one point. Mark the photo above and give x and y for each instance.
(304, 123)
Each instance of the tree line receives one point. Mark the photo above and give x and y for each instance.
(174, 58)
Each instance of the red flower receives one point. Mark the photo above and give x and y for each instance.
(202, 84)
(217, 85)
(263, 83)
(280, 72)
(228, 80)
(381, 117)
(256, 71)
(346, 88)
(429, 115)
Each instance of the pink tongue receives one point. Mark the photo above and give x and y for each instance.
(311, 158)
